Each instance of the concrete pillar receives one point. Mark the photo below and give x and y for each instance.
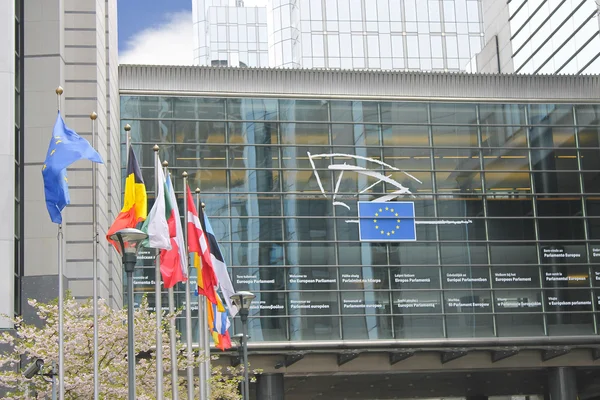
(270, 387)
(562, 383)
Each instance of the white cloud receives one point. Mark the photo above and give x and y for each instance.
(170, 43)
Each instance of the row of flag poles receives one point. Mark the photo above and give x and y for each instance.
(175, 245)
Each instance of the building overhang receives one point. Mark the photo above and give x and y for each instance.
(355, 84)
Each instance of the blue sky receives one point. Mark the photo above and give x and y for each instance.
(158, 31)
(137, 15)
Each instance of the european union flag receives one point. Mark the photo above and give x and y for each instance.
(65, 148)
(392, 221)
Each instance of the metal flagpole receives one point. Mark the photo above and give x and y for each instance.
(202, 331)
(188, 299)
(172, 333)
(93, 117)
(207, 370)
(158, 298)
(61, 344)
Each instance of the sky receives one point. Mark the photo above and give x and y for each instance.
(158, 31)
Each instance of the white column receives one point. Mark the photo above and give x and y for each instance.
(7, 157)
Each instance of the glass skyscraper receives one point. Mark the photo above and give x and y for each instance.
(439, 35)
(541, 37)
(228, 34)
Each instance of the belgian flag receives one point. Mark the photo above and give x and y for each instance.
(135, 200)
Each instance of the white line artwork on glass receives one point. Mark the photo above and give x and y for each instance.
(401, 189)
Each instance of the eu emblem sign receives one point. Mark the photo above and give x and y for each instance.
(392, 221)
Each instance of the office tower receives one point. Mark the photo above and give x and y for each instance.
(374, 34)
(540, 37)
(47, 44)
(228, 34)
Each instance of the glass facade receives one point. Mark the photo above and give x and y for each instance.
(555, 36)
(506, 197)
(229, 35)
(441, 35)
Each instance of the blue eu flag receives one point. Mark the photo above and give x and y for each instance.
(65, 148)
(392, 221)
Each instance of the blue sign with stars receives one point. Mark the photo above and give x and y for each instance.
(392, 221)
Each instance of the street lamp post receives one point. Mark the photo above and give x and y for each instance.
(128, 240)
(243, 300)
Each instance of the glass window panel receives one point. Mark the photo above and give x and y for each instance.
(310, 253)
(413, 254)
(312, 278)
(467, 301)
(315, 328)
(146, 107)
(405, 135)
(475, 230)
(463, 253)
(264, 329)
(507, 183)
(418, 326)
(207, 180)
(415, 278)
(416, 302)
(587, 114)
(446, 113)
(309, 228)
(455, 136)
(511, 229)
(404, 113)
(362, 254)
(513, 253)
(310, 134)
(303, 110)
(550, 114)
(561, 276)
(203, 156)
(518, 207)
(252, 109)
(354, 111)
(356, 135)
(458, 182)
(502, 114)
(256, 279)
(518, 301)
(253, 157)
(306, 182)
(557, 182)
(570, 323)
(367, 327)
(313, 303)
(254, 180)
(515, 277)
(469, 325)
(465, 278)
(512, 325)
(365, 302)
(244, 254)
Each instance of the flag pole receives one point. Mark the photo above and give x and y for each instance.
(93, 117)
(207, 370)
(158, 298)
(203, 337)
(61, 344)
(173, 334)
(188, 298)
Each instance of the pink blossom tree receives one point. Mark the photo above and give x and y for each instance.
(31, 341)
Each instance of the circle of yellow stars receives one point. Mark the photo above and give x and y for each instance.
(382, 231)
